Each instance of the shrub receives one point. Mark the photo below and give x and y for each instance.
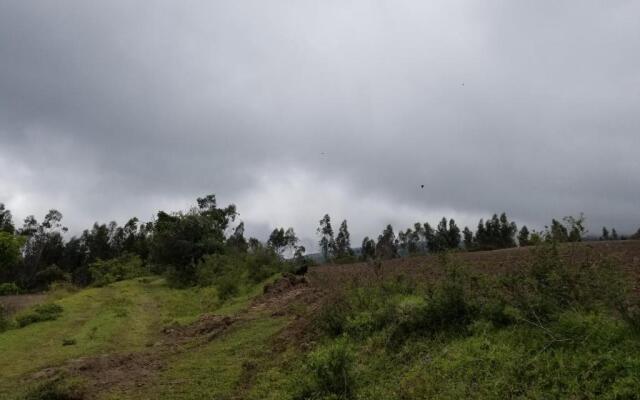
(329, 373)
(552, 284)
(55, 389)
(127, 266)
(45, 312)
(49, 275)
(333, 316)
(9, 289)
(263, 263)
(227, 287)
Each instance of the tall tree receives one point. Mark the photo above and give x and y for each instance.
(508, 232)
(387, 246)
(523, 237)
(6, 220)
(44, 246)
(343, 241)
(180, 240)
(614, 234)
(605, 234)
(327, 243)
(237, 240)
(430, 238)
(281, 240)
(453, 235)
(368, 249)
(468, 238)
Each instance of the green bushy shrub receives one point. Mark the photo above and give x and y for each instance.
(44, 312)
(328, 374)
(552, 284)
(127, 266)
(55, 389)
(229, 272)
(9, 288)
(49, 275)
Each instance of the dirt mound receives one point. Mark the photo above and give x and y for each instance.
(208, 325)
(280, 296)
(108, 372)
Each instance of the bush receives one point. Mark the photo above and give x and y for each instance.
(9, 289)
(127, 266)
(328, 373)
(45, 312)
(552, 284)
(49, 275)
(55, 389)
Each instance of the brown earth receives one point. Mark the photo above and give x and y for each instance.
(625, 253)
(15, 303)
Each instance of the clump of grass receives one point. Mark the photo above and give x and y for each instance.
(328, 374)
(44, 312)
(55, 389)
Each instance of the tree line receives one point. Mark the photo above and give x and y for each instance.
(206, 243)
(496, 232)
(187, 246)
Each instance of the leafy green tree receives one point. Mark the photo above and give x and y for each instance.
(180, 240)
(575, 227)
(453, 235)
(281, 240)
(614, 234)
(343, 242)
(523, 237)
(508, 232)
(495, 233)
(558, 232)
(430, 238)
(387, 246)
(468, 238)
(44, 246)
(10, 246)
(237, 241)
(327, 243)
(368, 249)
(6, 220)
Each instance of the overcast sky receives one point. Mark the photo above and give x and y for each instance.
(292, 109)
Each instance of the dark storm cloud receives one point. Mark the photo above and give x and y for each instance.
(296, 108)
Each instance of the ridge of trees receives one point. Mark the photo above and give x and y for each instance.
(204, 241)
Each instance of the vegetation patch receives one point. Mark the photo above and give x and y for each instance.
(44, 312)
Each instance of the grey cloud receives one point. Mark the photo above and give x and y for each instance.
(117, 108)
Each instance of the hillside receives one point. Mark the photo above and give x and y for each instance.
(407, 328)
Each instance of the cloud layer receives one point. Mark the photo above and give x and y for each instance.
(296, 108)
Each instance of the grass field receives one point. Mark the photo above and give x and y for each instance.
(140, 339)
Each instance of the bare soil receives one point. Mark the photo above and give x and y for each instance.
(15, 303)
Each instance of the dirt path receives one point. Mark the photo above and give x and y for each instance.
(121, 372)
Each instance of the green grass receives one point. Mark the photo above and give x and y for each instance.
(218, 370)
(122, 317)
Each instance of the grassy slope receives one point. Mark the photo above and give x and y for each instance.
(600, 357)
(123, 317)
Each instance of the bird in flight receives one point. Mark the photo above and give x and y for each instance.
(422, 186)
